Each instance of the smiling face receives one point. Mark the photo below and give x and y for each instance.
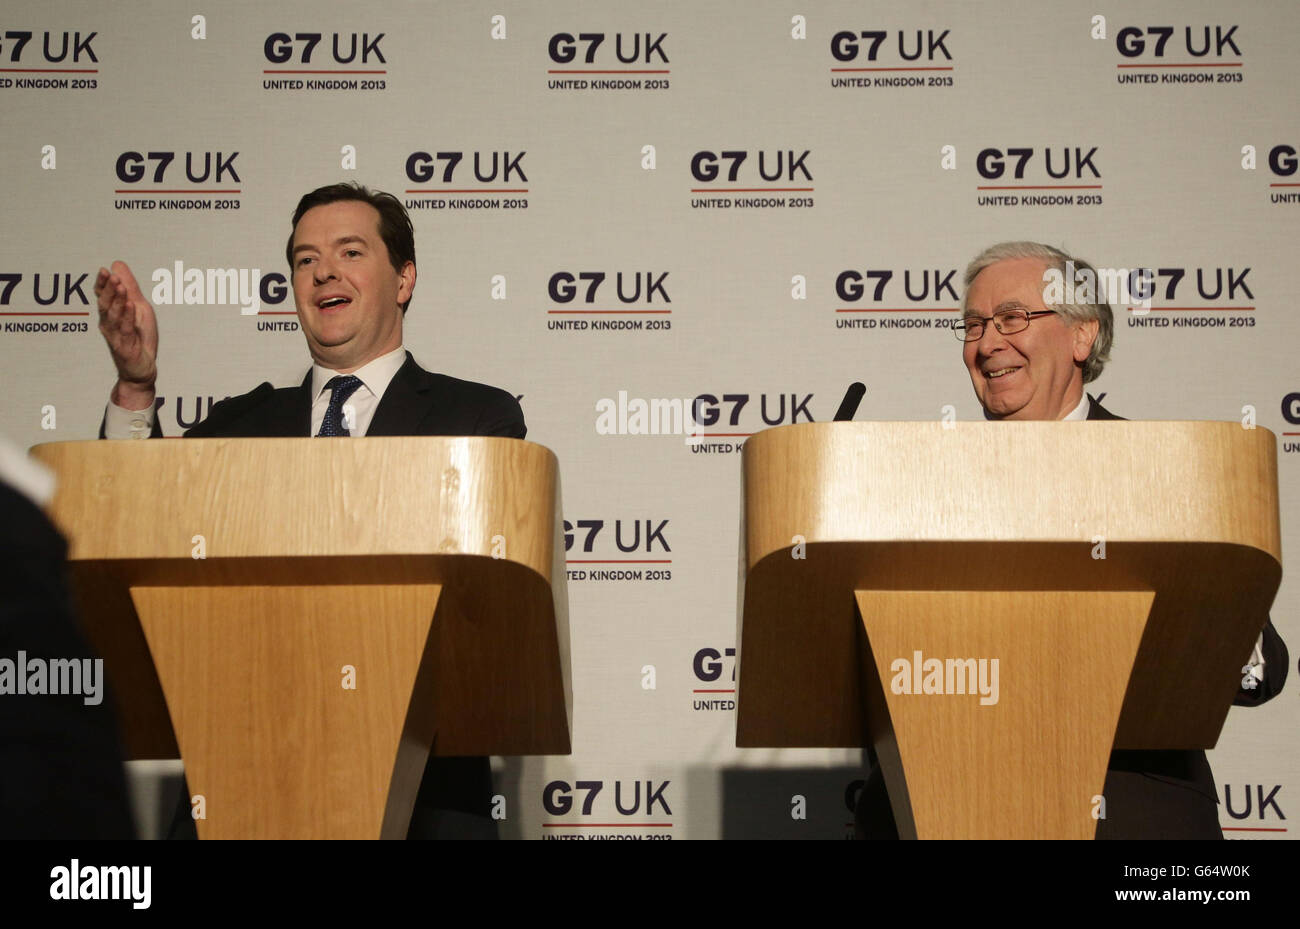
(346, 290)
(1036, 373)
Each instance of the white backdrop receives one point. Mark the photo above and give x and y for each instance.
(855, 159)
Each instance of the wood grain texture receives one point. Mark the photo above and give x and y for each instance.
(357, 497)
(1188, 511)
(1028, 764)
(380, 520)
(1128, 481)
(271, 738)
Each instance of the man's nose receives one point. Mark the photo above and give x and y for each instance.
(990, 339)
(323, 271)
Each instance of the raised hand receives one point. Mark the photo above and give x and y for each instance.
(130, 328)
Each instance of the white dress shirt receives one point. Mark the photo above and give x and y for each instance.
(1079, 412)
(375, 377)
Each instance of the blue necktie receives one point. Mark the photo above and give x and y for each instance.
(341, 387)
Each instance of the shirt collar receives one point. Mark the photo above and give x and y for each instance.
(1079, 412)
(375, 375)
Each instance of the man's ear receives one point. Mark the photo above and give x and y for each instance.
(407, 285)
(1085, 334)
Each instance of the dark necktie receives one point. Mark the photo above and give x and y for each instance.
(341, 387)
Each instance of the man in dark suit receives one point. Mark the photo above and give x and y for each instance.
(352, 257)
(1029, 362)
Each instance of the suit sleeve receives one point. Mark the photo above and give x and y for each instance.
(501, 416)
(222, 418)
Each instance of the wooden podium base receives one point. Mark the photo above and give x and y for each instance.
(293, 728)
(1063, 665)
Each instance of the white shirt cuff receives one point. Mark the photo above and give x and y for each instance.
(1253, 670)
(121, 423)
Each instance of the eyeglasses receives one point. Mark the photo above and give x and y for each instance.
(1008, 322)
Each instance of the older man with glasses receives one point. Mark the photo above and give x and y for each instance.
(1029, 361)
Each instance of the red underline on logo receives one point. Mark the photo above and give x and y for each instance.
(1291, 433)
(905, 309)
(1284, 185)
(84, 313)
(732, 691)
(949, 68)
(277, 312)
(1190, 64)
(472, 190)
(619, 561)
(341, 71)
(1161, 309)
(1252, 829)
(623, 71)
(749, 190)
(607, 825)
(714, 435)
(153, 191)
(615, 312)
(1045, 187)
(51, 70)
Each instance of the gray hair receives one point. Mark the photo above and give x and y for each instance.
(1077, 312)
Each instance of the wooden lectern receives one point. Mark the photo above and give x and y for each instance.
(318, 615)
(1119, 572)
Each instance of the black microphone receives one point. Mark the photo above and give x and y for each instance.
(849, 405)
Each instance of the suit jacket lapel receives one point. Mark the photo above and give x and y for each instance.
(405, 403)
(295, 419)
(1097, 411)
